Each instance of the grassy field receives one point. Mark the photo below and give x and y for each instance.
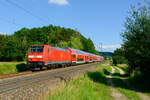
(93, 86)
(12, 67)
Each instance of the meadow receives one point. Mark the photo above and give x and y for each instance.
(12, 67)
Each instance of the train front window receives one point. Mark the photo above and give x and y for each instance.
(38, 49)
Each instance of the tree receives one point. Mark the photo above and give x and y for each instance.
(136, 38)
(76, 43)
(118, 57)
(3, 39)
(12, 51)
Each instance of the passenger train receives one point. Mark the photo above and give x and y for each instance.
(46, 56)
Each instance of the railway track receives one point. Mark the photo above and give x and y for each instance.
(17, 82)
(14, 75)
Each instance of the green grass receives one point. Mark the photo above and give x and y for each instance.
(106, 70)
(124, 67)
(137, 81)
(120, 85)
(140, 83)
(123, 88)
(12, 67)
(93, 86)
(117, 73)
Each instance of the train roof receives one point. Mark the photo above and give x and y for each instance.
(62, 49)
(78, 51)
(72, 50)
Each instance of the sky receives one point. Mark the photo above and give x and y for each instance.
(100, 20)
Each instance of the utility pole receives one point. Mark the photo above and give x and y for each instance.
(101, 46)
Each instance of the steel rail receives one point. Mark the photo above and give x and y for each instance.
(27, 80)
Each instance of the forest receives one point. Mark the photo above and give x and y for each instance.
(14, 47)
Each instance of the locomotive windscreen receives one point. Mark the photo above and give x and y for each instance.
(38, 49)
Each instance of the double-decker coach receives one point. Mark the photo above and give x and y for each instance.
(86, 57)
(91, 57)
(78, 56)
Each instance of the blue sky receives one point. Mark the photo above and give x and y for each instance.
(101, 20)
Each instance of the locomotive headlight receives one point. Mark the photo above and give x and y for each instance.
(30, 56)
(39, 56)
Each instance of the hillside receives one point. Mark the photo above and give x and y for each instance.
(14, 47)
(106, 54)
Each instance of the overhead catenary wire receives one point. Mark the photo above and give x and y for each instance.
(98, 45)
(10, 21)
(27, 11)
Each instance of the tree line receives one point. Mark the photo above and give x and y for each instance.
(135, 50)
(14, 47)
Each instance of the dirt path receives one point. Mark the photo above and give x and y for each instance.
(115, 93)
(141, 95)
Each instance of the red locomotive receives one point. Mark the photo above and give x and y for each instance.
(44, 56)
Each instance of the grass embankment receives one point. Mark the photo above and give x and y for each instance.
(12, 67)
(93, 86)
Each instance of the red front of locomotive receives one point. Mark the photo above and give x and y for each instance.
(37, 56)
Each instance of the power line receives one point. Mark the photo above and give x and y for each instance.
(30, 13)
(98, 45)
(6, 20)
(11, 22)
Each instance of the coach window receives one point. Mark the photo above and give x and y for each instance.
(73, 56)
(80, 59)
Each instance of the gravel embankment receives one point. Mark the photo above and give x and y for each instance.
(38, 90)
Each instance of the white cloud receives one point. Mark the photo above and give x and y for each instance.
(109, 48)
(3, 33)
(59, 2)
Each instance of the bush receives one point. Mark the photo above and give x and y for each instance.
(118, 57)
